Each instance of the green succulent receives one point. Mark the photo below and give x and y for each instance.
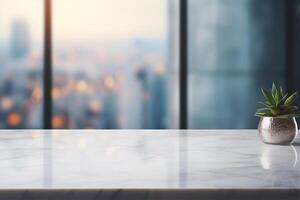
(278, 104)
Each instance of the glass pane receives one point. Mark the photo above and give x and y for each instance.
(236, 47)
(21, 54)
(113, 67)
(296, 47)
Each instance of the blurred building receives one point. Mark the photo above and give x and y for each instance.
(144, 79)
(235, 48)
(159, 101)
(20, 39)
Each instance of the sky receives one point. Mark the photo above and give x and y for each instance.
(89, 19)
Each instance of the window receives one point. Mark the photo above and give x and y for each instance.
(21, 65)
(111, 64)
(235, 48)
(119, 64)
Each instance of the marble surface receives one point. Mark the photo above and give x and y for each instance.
(145, 159)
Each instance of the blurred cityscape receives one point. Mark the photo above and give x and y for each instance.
(235, 47)
(96, 83)
(129, 90)
(20, 80)
(103, 86)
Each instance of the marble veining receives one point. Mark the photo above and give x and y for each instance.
(144, 159)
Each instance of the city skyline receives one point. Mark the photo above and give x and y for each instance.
(110, 82)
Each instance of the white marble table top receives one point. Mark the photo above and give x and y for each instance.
(159, 159)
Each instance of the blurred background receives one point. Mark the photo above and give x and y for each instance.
(115, 63)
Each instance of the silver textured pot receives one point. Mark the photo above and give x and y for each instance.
(276, 130)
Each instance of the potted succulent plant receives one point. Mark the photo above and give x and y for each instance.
(277, 123)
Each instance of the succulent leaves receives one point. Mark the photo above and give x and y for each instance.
(278, 104)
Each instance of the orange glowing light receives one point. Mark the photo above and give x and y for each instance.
(109, 82)
(6, 103)
(56, 92)
(58, 121)
(13, 119)
(159, 69)
(82, 86)
(95, 106)
(36, 95)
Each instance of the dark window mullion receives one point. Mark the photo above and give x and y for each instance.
(47, 72)
(289, 44)
(183, 64)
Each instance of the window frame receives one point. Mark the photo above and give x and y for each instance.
(47, 72)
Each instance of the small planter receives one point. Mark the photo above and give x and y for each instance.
(277, 130)
(277, 123)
